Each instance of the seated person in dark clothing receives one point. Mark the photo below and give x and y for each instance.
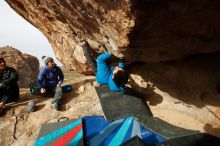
(106, 74)
(9, 90)
(49, 81)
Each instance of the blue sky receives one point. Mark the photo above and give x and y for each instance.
(15, 31)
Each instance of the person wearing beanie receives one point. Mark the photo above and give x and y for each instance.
(9, 90)
(50, 79)
(46, 60)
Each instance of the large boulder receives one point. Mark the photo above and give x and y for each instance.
(189, 86)
(147, 31)
(26, 65)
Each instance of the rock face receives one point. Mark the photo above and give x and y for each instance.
(189, 86)
(81, 101)
(147, 31)
(26, 65)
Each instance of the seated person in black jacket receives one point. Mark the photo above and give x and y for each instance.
(9, 91)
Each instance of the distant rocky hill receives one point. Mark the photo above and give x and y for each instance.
(26, 65)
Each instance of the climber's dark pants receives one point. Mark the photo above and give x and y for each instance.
(50, 91)
(90, 59)
(9, 94)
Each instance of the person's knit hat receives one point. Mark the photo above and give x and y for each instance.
(46, 59)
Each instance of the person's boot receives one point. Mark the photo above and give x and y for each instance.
(57, 98)
(56, 105)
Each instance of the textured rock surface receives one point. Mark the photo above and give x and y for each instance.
(148, 31)
(188, 86)
(26, 65)
(75, 105)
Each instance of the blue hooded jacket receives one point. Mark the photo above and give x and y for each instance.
(105, 72)
(50, 77)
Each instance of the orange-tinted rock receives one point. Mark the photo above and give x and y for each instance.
(147, 31)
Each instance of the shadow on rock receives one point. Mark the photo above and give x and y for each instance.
(147, 94)
(39, 107)
(192, 80)
(211, 130)
(67, 97)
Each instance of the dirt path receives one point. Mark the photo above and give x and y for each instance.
(80, 102)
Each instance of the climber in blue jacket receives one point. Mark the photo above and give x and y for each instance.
(49, 81)
(50, 76)
(106, 74)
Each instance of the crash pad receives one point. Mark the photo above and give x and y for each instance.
(198, 139)
(68, 132)
(135, 141)
(118, 105)
(98, 131)
(163, 128)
